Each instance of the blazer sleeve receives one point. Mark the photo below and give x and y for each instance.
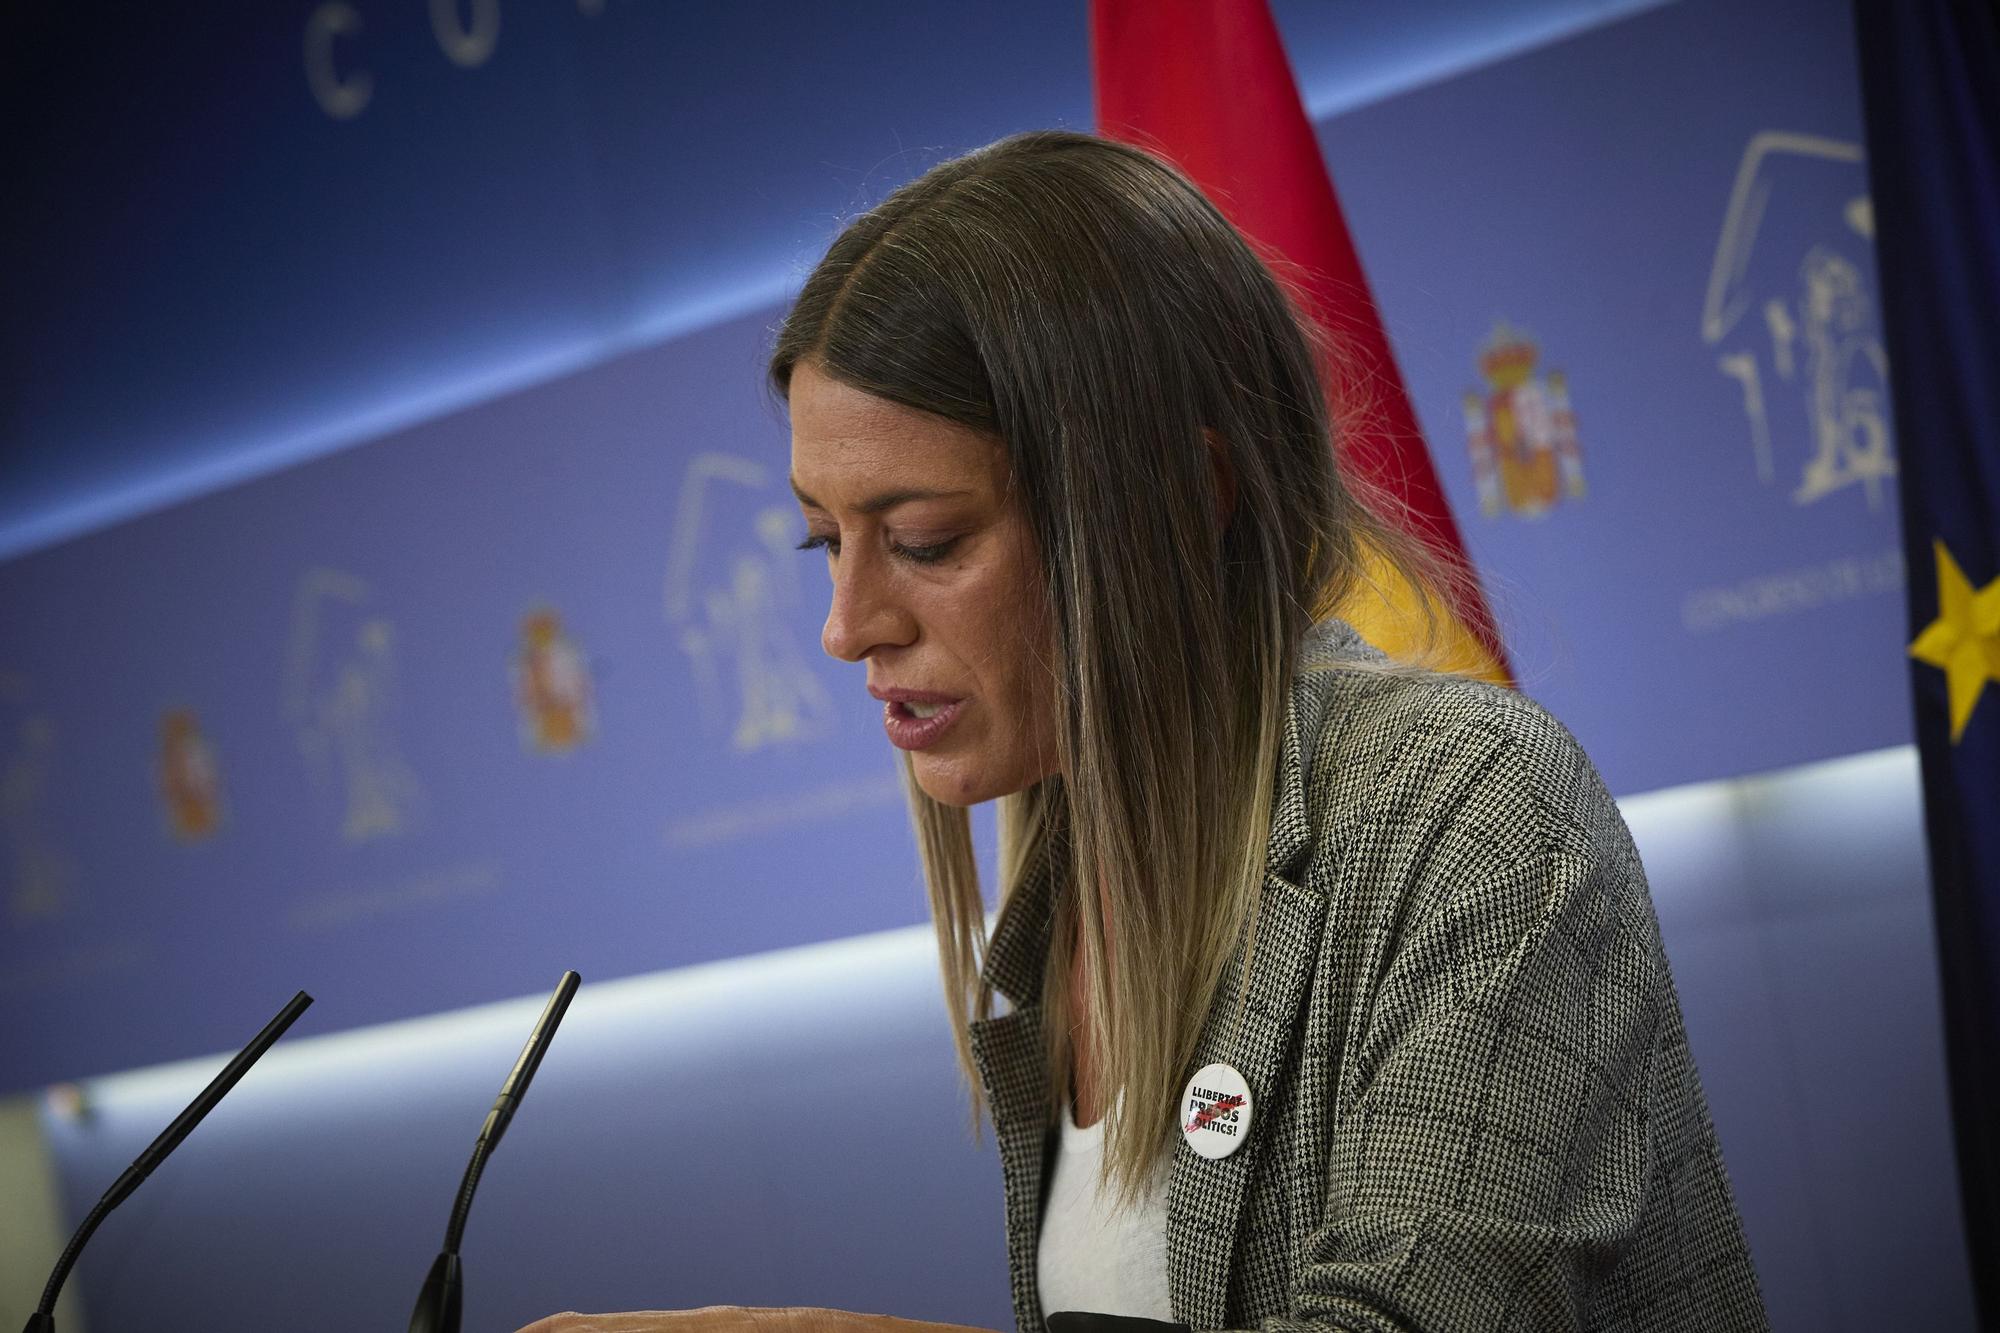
(1518, 1139)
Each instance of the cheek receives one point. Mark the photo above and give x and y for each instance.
(1031, 641)
(993, 621)
(1007, 632)
(1025, 693)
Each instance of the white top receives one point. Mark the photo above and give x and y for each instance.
(1094, 1255)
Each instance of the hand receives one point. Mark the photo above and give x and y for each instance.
(738, 1319)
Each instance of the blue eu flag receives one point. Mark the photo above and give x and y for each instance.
(1931, 81)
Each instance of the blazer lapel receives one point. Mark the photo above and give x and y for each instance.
(1205, 1197)
(1252, 1026)
(1009, 1053)
(1011, 1058)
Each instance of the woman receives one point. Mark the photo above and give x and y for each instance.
(1334, 995)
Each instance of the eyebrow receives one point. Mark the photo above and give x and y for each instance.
(887, 500)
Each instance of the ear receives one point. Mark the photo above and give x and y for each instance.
(1225, 476)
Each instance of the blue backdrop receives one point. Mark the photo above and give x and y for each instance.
(532, 686)
(536, 683)
(529, 679)
(294, 225)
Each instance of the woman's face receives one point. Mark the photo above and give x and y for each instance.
(934, 585)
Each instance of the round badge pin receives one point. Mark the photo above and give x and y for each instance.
(1215, 1111)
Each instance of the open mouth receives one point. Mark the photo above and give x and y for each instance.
(916, 726)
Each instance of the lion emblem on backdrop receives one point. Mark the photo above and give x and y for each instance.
(733, 595)
(1790, 309)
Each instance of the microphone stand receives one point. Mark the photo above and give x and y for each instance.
(43, 1320)
(441, 1303)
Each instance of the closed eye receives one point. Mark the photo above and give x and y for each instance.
(918, 555)
(924, 555)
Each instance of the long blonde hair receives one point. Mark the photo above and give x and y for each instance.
(1159, 400)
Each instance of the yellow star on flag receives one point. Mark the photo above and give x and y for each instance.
(1964, 641)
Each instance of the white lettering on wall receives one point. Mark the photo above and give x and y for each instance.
(341, 98)
(466, 45)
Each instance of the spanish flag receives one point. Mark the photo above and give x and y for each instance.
(1930, 81)
(1205, 84)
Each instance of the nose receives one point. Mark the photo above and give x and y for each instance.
(865, 616)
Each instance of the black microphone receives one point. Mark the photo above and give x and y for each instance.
(43, 1320)
(442, 1301)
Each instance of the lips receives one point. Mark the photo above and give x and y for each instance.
(916, 719)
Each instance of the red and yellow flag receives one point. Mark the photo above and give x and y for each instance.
(1205, 83)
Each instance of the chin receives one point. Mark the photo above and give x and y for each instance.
(955, 783)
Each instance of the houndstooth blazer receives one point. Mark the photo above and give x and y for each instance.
(1474, 1106)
